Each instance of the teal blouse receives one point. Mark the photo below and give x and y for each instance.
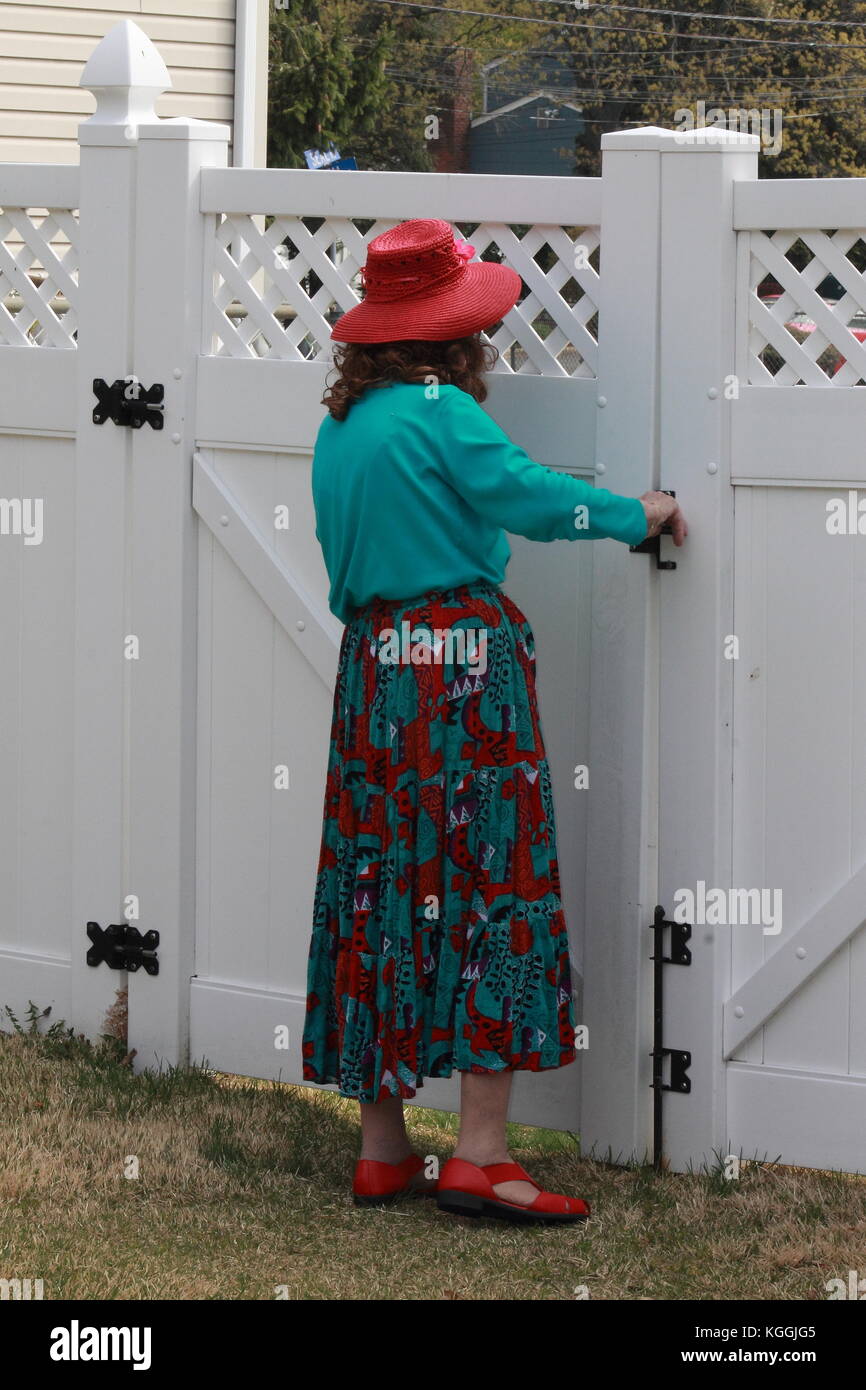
(415, 491)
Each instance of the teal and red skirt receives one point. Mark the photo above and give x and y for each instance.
(439, 941)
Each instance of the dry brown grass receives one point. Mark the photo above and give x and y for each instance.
(243, 1188)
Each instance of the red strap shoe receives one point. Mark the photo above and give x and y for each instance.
(467, 1190)
(377, 1184)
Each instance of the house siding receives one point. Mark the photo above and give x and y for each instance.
(43, 49)
(514, 143)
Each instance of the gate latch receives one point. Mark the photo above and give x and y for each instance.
(127, 402)
(652, 544)
(123, 947)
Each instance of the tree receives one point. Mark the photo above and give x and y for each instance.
(631, 68)
(368, 76)
(336, 76)
(321, 87)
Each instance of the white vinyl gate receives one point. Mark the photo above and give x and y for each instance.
(168, 652)
(763, 759)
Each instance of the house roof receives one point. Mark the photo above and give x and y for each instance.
(522, 101)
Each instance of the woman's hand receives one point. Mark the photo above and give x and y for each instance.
(662, 510)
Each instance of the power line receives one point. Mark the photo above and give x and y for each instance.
(587, 95)
(727, 18)
(453, 46)
(555, 92)
(621, 124)
(571, 55)
(657, 67)
(617, 29)
(660, 55)
(650, 99)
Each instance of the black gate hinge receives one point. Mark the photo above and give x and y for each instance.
(652, 544)
(123, 947)
(681, 932)
(680, 1061)
(127, 402)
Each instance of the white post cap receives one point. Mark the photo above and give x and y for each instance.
(126, 75)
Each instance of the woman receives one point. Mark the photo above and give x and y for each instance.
(439, 942)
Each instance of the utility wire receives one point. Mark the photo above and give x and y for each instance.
(617, 29)
(587, 95)
(728, 18)
(763, 83)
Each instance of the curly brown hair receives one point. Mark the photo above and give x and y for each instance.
(457, 362)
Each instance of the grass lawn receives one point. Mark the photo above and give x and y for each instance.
(243, 1193)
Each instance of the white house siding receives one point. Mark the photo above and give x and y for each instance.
(43, 49)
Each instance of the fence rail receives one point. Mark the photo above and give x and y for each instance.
(459, 198)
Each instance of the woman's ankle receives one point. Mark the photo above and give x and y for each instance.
(384, 1155)
(383, 1132)
(481, 1154)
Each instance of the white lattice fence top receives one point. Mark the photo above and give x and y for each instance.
(280, 284)
(38, 277)
(812, 332)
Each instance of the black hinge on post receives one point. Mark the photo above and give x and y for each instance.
(652, 544)
(679, 1061)
(127, 402)
(123, 947)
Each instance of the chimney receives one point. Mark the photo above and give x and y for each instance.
(452, 153)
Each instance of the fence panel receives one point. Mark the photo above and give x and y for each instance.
(39, 236)
(795, 1014)
(286, 250)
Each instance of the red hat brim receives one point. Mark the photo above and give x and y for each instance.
(480, 298)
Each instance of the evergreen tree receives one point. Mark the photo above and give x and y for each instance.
(330, 82)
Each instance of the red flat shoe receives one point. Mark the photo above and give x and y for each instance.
(467, 1190)
(377, 1184)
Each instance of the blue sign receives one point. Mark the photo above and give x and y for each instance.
(329, 159)
(320, 159)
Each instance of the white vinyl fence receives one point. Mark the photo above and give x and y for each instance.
(168, 655)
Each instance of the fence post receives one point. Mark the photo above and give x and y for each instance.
(126, 76)
(697, 346)
(620, 878)
(172, 307)
(660, 704)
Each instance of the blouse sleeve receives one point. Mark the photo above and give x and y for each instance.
(503, 484)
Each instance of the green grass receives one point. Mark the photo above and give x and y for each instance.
(244, 1190)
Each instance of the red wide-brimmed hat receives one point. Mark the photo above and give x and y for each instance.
(419, 283)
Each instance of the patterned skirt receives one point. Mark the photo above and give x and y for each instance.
(439, 941)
